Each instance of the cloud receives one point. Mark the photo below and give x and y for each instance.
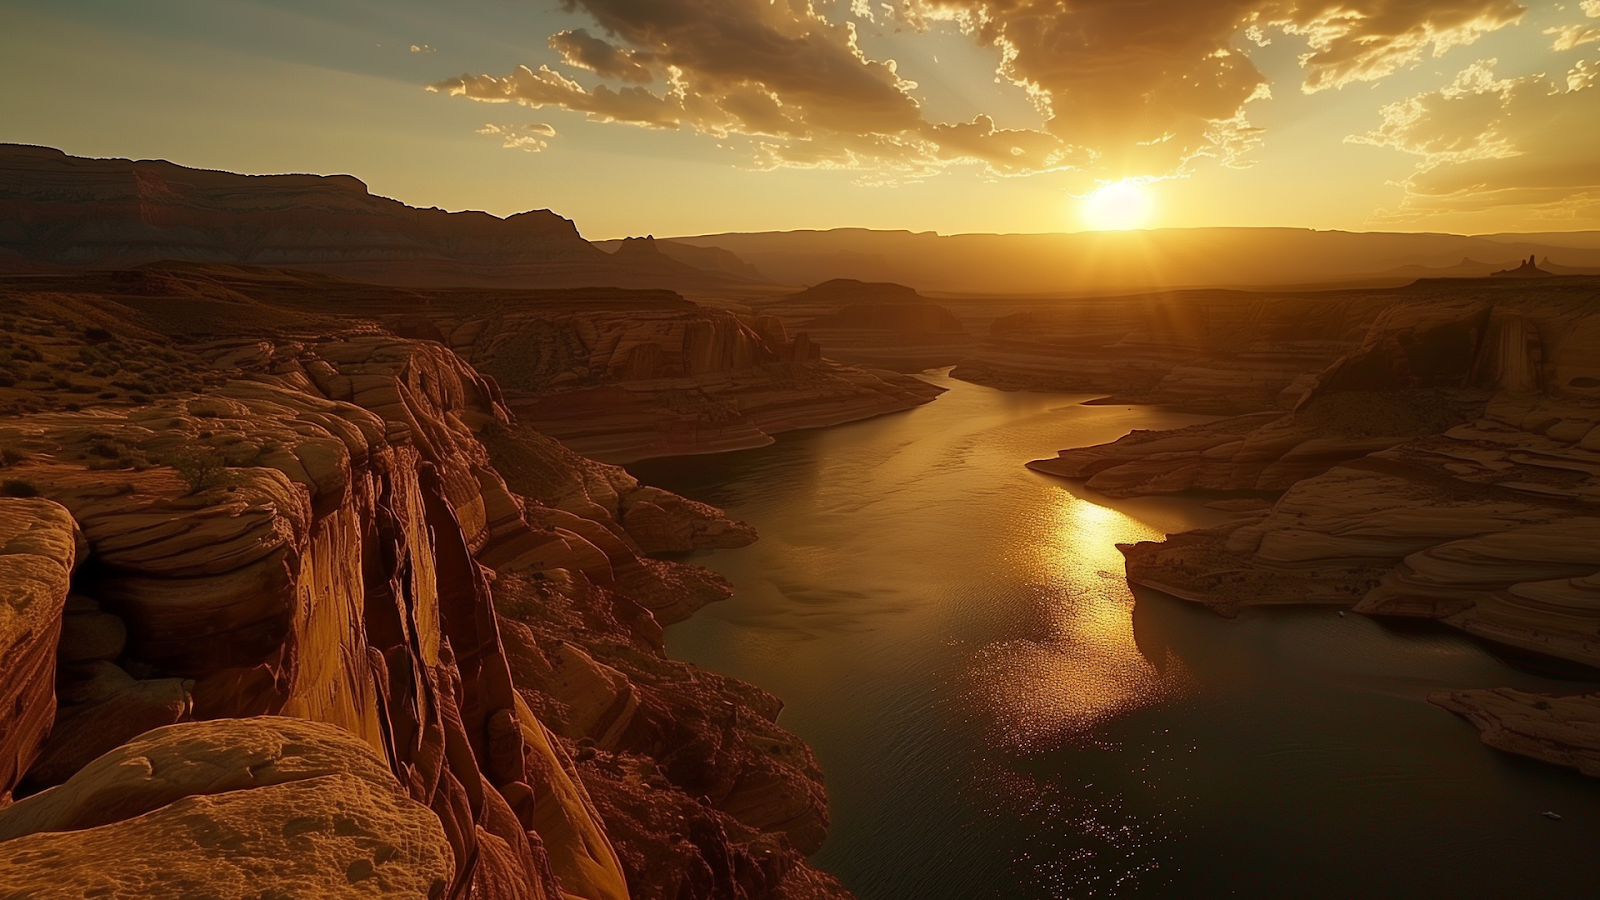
(1569, 37)
(1126, 87)
(546, 87)
(581, 50)
(1491, 143)
(531, 138)
(422, 48)
(1154, 84)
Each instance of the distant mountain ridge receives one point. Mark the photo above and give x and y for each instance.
(58, 210)
(1096, 262)
(708, 259)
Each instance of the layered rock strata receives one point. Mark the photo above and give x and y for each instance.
(40, 546)
(1209, 351)
(887, 325)
(616, 375)
(1449, 469)
(624, 385)
(60, 212)
(322, 535)
(234, 808)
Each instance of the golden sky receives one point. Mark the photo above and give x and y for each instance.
(698, 116)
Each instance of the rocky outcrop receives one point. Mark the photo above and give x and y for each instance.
(323, 534)
(622, 385)
(1449, 469)
(236, 808)
(1207, 351)
(1564, 731)
(881, 324)
(1528, 269)
(65, 211)
(614, 374)
(39, 548)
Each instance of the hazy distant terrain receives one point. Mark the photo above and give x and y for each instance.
(1108, 261)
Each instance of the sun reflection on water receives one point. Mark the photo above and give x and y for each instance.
(1082, 663)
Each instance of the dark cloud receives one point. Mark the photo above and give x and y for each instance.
(580, 49)
(1127, 87)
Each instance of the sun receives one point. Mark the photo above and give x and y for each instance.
(1117, 207)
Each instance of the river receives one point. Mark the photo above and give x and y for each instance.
(999, 716)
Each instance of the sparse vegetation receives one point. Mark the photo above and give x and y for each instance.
(17, 487)
(200, 470)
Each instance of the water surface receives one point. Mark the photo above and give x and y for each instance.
(999, 717)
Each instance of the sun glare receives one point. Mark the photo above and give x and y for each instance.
(1117, 207)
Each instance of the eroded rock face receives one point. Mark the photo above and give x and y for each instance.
(323, 535)
(1207, 351)
(39, 547)
(1449, 469)
(235, 808)
(1564, 731)
(624, 385)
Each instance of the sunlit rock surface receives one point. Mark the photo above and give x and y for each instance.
(324, 533)
(39, 547)
(622, 385)
(233, 808)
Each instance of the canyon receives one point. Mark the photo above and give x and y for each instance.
(316, 544)
(234, 493)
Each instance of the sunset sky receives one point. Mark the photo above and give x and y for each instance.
(700, 116)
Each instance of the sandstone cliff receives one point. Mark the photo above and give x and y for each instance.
(1208, 351)
(67, 212)
(308, 518)
(1448, 468)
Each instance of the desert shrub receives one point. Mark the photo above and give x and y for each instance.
(200, 470)
(205, 413)
(107, 395)
(6, 380)
(88, 355)
(63, 382)
(96, 335)
(10, 456)
(17, 487)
